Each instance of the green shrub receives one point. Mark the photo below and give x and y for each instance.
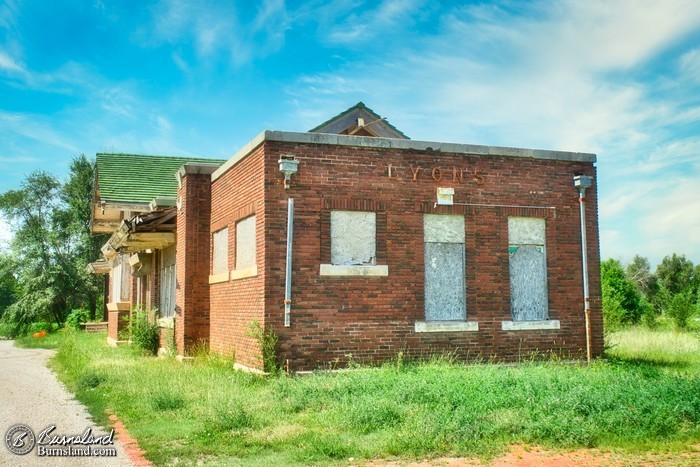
(649, 314)
(621, 297)
(90, 380)
(231, 418)
(144, 330)
(77, 317)
(166, 400)
(6, 330)
(681, 308)
(267, 340)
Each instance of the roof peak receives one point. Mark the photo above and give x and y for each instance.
(359, 120)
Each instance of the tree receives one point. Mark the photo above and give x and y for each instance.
(679, 281)
(681, 307)
(677, 274)
(40, 252)
(8, 282)
(639, 272)
(52, 246)
(622, 300)
(77, 196)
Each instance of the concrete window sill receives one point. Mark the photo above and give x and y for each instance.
(446, 326)
(244, 273)
(340, 270)
(166, 322)
(529, 325)
(216, 278)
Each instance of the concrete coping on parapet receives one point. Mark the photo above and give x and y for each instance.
(195, 168)
(405, 144)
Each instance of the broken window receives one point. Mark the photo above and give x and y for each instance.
(245, 243)
(528, 269)
(220, 252)
(353, 238)
(168, 282)
(445, 289)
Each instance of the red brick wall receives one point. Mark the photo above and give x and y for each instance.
(372, 318)
(117, 323)
(192, 296)
(235, 304)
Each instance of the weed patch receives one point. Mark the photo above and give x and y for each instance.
(166, 400)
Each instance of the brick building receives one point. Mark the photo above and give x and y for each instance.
(396, 246)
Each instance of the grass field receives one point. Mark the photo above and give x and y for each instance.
(645, 397)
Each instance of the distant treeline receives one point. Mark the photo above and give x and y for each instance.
(632, 294)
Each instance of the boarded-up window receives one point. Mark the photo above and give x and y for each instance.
(353, 237)
(445, 291)
(528, 269)
(121, 279)
(220, 251)
(168, 282)
(245, 243)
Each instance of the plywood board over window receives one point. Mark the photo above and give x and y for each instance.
(445, 291)
(353, 238)
(168, 282)
(246, 249)
(528, 269)
(354, 245)
(219, 256)
(120, 276)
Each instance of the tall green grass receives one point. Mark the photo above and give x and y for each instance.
(664, 347)
(205, 412)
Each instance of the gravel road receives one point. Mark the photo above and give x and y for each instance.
(31, 395)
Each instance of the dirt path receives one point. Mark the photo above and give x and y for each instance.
(31, 395)
(524, 456)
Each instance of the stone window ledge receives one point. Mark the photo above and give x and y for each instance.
(119, 306)
(529, 325)
(244, 273)
(167, 322)
(364, 270)
(216, 278)
(446, 326)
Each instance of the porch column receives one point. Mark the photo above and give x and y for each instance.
(193, 256)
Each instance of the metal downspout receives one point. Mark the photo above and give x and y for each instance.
(288, 270)
(584, 261)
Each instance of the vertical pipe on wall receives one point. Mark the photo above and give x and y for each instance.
(586, 296)
(582, 182)
(288, 270)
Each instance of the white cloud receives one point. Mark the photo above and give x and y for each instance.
(690, 64)
(555, 75)
(217, 27)
(359, 28)
(670, 221)
(8, 64)
(33, 128)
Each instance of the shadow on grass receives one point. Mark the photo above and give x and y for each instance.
(650, 366)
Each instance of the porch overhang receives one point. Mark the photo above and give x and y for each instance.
(101, 266)
(155, 230)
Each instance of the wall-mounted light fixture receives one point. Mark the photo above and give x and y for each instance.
(288, 166)
(582, 182)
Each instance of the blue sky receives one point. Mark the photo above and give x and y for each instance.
(618, 78)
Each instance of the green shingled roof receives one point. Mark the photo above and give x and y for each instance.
(136, 178)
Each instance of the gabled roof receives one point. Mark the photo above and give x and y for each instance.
(369, 124)
(136, 178)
